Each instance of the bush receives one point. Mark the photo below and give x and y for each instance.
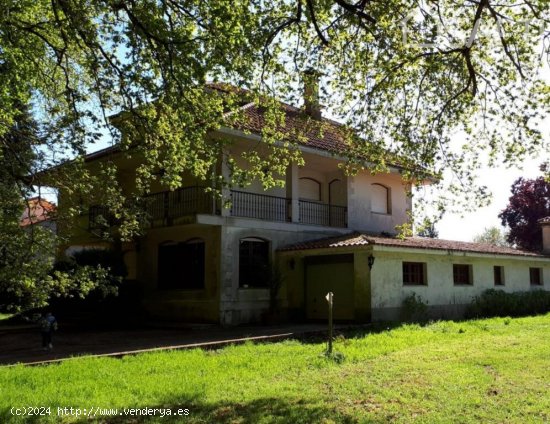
(414, 309)
(106, 258)
(497, 303)
(113, 299)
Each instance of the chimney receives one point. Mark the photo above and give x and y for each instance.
(545, 226)
(311, 94)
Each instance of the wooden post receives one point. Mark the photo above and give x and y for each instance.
(329, 298)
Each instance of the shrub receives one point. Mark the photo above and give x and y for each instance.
(414, 309)
(111, 299)
(106, 258)
(497, 303)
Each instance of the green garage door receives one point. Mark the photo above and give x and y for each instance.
(329, 273)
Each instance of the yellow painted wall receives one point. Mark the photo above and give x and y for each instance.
(187, 305)
(294, 265)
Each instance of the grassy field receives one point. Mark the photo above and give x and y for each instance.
(495, 370)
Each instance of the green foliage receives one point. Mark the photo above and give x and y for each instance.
(494, 236)
(414, 309)
(336, 357)
(106, 258)
(482, 370)
(427, 229)
(494, 303)
(25, 252)
(100, 294)
(136, 71)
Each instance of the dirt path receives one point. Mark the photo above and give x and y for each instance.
(24, 346)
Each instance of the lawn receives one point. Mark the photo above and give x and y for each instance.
(494, 370)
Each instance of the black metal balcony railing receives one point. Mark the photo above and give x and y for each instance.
(260, 206)
(316, 213)
(182, 202)
(162, 208)
(99, 218)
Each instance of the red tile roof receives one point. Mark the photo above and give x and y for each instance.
(357, 240)
(299, 127)
(324, 134)
(37, 210)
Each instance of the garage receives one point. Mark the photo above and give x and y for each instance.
(329, 273)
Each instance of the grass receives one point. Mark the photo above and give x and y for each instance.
(493, 370)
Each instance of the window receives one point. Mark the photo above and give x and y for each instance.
(498, 274)
(310, 189)
(414, 273)
(535, 276)
(462, 274)
(380, 201)
(253, 263)
(181, 265)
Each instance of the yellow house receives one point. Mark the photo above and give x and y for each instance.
(201, 261)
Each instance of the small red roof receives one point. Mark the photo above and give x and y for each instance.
(357, 239)
(37, 210)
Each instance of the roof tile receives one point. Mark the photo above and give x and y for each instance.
(358, 239)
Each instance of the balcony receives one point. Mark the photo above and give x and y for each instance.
(171, 207)
(164, 207)
(260, 206)
(317, 213)
(100, 219)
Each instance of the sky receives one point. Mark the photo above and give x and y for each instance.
(499, 181)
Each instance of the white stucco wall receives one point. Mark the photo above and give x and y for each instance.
(546, 238)
(360, 216)
(440, 292)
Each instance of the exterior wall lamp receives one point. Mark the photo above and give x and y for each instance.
(371, 261)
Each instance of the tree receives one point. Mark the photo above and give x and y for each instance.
(492, 235)
(427, 229)
(25, 253)
(27, 275)
(529, 202)
(81, 62)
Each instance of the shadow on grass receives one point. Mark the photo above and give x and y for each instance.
(266, 410)
(353, 332)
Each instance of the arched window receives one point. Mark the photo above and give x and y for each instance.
(380, 199)
(337, 192)
(310, 189)
(253, 262)
(181, 265)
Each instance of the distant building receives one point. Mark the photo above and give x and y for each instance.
(39, 211)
